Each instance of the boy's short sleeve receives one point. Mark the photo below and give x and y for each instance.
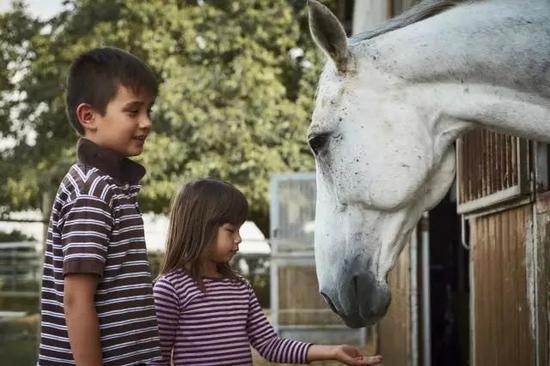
(85, 234)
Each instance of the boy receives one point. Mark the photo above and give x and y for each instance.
(97, 305)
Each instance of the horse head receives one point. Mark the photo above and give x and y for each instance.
(382, 137)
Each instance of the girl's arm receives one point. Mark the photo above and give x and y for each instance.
(263, 338)
(167, 310)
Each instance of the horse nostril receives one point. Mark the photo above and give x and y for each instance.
(329, 302)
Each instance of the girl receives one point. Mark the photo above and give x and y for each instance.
(207, 314)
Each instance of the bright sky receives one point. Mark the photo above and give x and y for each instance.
(43, 9)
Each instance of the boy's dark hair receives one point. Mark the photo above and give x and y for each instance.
(196, 213)
(95, 75)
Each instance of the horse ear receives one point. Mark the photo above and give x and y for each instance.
(329, 35)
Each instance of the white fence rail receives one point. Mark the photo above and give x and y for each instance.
(20, 267)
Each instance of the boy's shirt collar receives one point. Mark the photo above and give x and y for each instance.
(122, 169)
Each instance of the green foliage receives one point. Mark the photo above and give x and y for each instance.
(14, 235)
(257, 273)
(232, 104)
(155, 262)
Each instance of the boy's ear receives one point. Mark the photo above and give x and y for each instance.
(86, 116)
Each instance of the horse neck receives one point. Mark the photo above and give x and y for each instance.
(486, 63)
(491, 42)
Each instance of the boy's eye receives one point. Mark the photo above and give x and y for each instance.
(132, 112)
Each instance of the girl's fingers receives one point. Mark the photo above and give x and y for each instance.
(374, 360)
(355, 357)
(363, 361)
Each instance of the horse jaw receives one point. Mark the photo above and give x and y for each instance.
(353, 262)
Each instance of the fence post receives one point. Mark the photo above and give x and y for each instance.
(46, 207)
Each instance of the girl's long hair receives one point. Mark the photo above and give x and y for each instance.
(196, 213)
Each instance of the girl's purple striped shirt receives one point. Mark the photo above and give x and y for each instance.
(218, 326)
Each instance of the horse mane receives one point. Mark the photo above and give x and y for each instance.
(423, 10)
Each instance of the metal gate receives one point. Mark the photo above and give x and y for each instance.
(492, 169)
(297, 309)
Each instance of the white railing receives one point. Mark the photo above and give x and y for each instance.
(20, 269)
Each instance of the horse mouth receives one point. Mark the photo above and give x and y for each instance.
(365, 316)
(364, 304)
(357, 321)
(361, 318)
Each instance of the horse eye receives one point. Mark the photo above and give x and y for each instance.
(317, 142)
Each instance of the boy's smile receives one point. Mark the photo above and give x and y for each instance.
(125, 124)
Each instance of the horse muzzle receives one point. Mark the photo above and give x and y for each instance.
(360, 301)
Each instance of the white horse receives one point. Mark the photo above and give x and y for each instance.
(389, 106)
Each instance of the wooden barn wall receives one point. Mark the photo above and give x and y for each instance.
(501, 312)
(299, 300)
(543, 267)
(394, 330)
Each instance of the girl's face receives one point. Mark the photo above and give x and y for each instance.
(226, 244)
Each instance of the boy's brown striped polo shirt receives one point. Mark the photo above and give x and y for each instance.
(96, 227)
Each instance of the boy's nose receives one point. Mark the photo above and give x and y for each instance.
(145, 123)
(238, 238)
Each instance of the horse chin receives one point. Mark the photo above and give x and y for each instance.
(357, 320)
(374, 305)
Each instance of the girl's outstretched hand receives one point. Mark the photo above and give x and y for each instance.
(354, 357)
(348, 355)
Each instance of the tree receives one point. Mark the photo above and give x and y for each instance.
(17, 29)
(43, 142)
(233, 103)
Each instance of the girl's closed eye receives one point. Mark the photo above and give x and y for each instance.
(231, 228)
